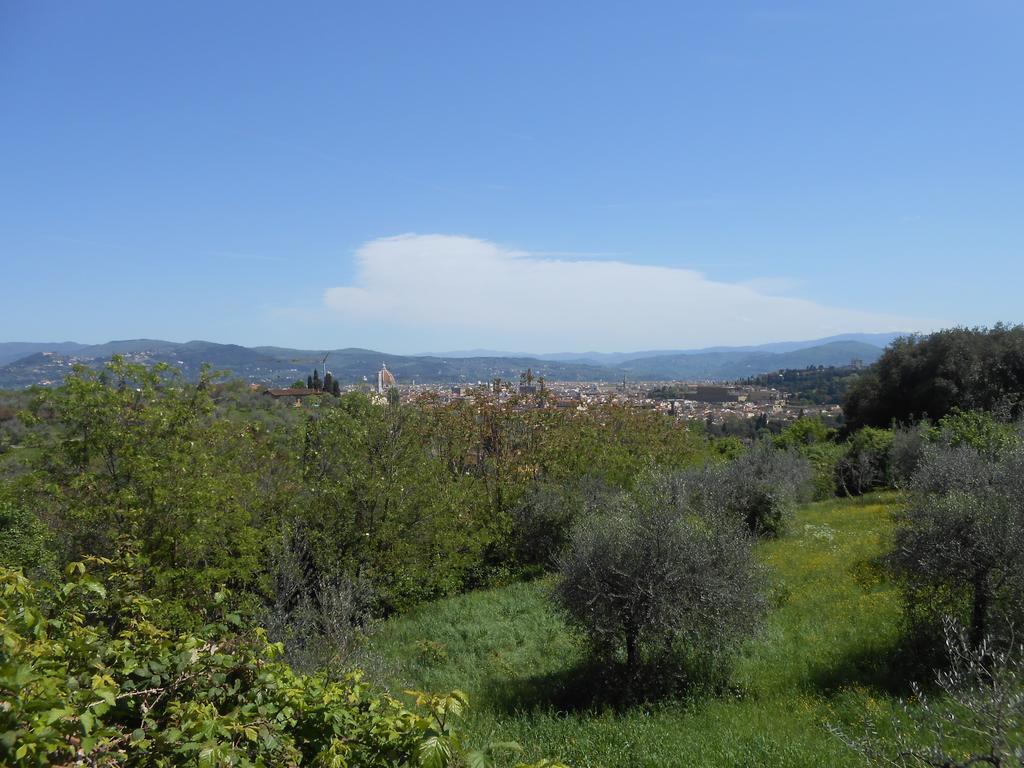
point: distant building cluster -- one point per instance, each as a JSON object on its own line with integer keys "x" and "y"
{"x": 711, "y": 403}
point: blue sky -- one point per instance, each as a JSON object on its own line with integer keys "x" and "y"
{"x": 539, "y": 176}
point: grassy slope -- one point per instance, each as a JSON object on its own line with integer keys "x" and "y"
{"x": 823, "y": 656}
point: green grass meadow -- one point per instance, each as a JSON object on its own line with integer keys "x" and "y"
{"x": 827, "y": 653}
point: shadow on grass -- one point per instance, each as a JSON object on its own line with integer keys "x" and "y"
{"x": 591, "y": 687}
{"x": 889, "y": 670}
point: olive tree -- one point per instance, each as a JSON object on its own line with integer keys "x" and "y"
{"x": 656, "y": 577}
{"x": 763, "y": 485}
{"x": 907, "y": 449}
{"x": 959, "y": 546}
{"x": 544, "y": 517}
{"x": 976, "y": 717}
{"x": 321, "y": 616}
{"x": 758, "y": 490}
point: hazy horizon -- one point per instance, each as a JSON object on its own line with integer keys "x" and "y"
{"x": 871, "y": 338}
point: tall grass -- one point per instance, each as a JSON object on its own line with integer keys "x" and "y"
{"x": 829, "y": 652}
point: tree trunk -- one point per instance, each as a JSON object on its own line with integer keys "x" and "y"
{"x": 632, "y": 655}
{"x": 979, "y": 608}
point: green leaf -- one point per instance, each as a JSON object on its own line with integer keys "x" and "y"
{"x": 107, "y": 695}
{"x": 96, "y": 588}
{"x": 435, "y": 752}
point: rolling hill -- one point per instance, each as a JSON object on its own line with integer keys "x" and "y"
{"x": 49, "y": 363}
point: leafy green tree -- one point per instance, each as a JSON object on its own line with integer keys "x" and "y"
{"x": 136, "y": 461}
{"x": 980, "y": 430}
{"x": 25, "y": 541}
{"x": 929, "y": 376}
{"x": 804, "y": 431}
{"x": 375, "y": 503}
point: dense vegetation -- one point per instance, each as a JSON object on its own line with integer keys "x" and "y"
{"x": 928, "y": 376}
{"x": 815, "y": 385}
{"x": 88, "y": 678}
{"x": 192, "y": 573}
{"x": 217, "y": 485}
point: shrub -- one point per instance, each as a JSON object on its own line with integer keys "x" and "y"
{"x": 87, "y": 679}
{"x": 804, "y": 431}
{"x": 24, "y": 540}
{"x": 541, "y": 522}
{"x": 978, "y": 719}
{"x": 814, "y": 440}
{"x": 823, "y": 458}
{"x": 907, "y": 449}
{"x": 657, "y": 578}
{"x": 320, "y": 618}
{"x": 544, "y": 517}
{"x": 959, "y": 547}
{"x": 978, "y": 429}
{"x": 865, "y": 464}
{"x": 762, "y": 486}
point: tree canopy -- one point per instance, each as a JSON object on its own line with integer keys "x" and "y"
{"x": 929, "y": 376}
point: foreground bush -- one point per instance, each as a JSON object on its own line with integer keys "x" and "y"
{"x": 977, "y": 718}
{"x": 660, "y": 580}
{"x": 87, "y": 679}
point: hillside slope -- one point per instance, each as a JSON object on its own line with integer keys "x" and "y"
{"x": 279, "y": 365}
{"x": 825, "y": 654}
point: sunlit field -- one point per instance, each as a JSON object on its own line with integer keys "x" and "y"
{"x": 827, "y": 653}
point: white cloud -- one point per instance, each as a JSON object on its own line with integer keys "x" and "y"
{"x": 418, "y": 291}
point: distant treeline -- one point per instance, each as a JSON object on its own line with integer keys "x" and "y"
{"x": 814, "y": 385}
{"x": 929, "y": 376}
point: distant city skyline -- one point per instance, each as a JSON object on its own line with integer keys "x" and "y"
{"x": 533, "y": 177}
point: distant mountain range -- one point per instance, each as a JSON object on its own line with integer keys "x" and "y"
{"x": 880, "y": 340}
{"x": 24, "y": 363}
